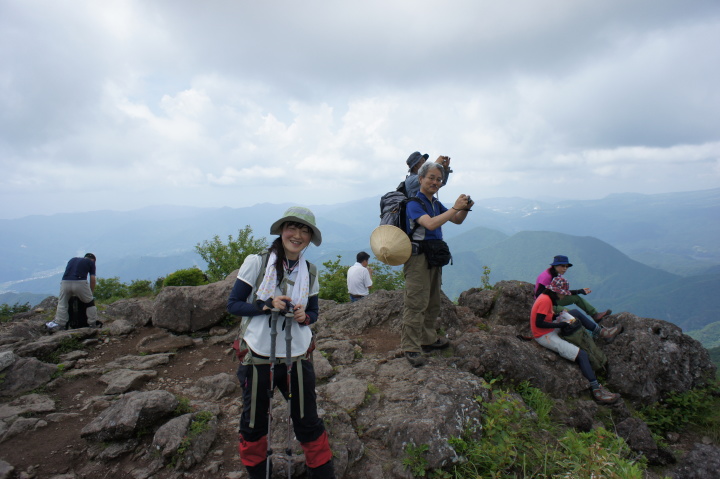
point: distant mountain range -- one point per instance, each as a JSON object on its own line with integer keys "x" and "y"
{"x": 665, "y": 248}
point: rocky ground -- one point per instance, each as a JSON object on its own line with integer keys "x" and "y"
{"x": 124, "y": 404}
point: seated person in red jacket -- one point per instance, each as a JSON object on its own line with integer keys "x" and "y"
{"x": 559, "y": 267}
{"x": 545, "y": 331}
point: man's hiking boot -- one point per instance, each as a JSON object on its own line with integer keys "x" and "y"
{"x": 600, "y": 316}
{"x": 609, "y": 334}
{"x": 604, "y": 396}
{"x": 52, "y": 327}
{"x": 441, "y": 343}
{"x": 415, "y": 359}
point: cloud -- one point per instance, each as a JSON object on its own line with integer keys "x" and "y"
{"x": 131, "y": 103}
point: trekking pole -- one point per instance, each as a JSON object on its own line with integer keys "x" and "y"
{"x": 271, "y": 387}
{"x": 289, "y": 317}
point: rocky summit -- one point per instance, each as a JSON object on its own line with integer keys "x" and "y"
{"x": 152, "y": 393}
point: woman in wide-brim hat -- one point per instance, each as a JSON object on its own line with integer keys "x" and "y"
{"x": 281, "y": 279}
{"x": 559, "y": 267}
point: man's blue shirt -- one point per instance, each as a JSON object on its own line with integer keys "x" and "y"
{"x": 414, "y": 210}
{"x": 77, "y": 269}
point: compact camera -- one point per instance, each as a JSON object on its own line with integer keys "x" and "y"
{"x": 289, "y": 307}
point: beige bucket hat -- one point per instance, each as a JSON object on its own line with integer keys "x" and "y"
{"x": 390, "y": 244}
{"x": 302, "y": 215}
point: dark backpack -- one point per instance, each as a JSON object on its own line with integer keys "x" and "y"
{"x": 392, "y": 209}
{"x": 77, "y": 311}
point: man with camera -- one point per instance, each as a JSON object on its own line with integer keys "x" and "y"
{"x": 423, "y": 271}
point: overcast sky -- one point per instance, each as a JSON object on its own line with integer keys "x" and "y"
{"x": 124, "y": 104}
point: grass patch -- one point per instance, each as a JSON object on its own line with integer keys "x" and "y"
{"x": 697, "y": 409}
{"x": 515, "y": 443}
{"x": 198, "y": 425}
{"x": 67, "y": 344}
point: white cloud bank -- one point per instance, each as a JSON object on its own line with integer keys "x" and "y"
{"x": 123, "y": 104}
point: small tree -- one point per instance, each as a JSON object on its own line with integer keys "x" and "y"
{"x": 384, "y": 277}
{"x": 222, "y": 259}
{"x": 186, "y": 277}
{"x": 140, "y": 287}
{"x": 333, "y": 281}
{"x": 485, "y": 278}
{"x": 108, "y": 288}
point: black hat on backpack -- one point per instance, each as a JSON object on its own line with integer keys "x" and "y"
{"x": 415, "y": 158}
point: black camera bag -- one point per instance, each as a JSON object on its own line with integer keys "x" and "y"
{"x": 436, "y": 252}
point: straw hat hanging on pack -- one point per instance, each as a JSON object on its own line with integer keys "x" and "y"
{"x": 390, "y": 245}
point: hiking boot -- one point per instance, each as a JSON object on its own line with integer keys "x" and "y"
{"x": 604, "y": 396}
{"x": 415, "y": 359}
{"x": 600, "y": 316}
{"x": 608, "y": 334}
{"x": 52, "y": 327}
{"x": 325, "y": 471}
{"x": 441, "y": 343}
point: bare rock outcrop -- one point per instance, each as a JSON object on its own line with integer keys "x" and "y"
{"x": 132, "y": 412}
{"x": 185, "y": 309}
{"x": 500, "y": 348}
{"x": 141, "y": 398}
{"x": 136, "y": 311}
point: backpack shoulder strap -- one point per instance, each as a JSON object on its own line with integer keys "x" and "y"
{"x": 312, "y": 270}
{"x": 261, "y": 274}
{"x": 417, "y": 225}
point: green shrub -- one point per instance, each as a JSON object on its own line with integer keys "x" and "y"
{"x": 186, "y": 277}
{"x": 384, "y": 277}
{"x": 333, "y": 281}
{"x": 7, "y": 311}
{"x": 415, "y": 459}
{"x": 140, "y": 287}
{"x": 698, "y": 407}
{"x": 223, "y": 258}
{"x": 108, "y": 288}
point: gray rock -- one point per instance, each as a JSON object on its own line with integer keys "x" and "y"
{"x": 381, "y": 309}
{"x": 73, "y": 356}
{"x": 28, "y": 404}
{"x": 702, "y": 462}
{"x": 682, "y": 363}
{"x": 639, "y": 437}
{"x": 215, "y": 387}
{"x": 389, "y": 412}
{"x": 24, "y": 375}
{"x": 123, "y": 380}
{"x": 341, "y": 351}
{"x": 22, "y": 425}
{"x": 183, "y": 309}
{"x": 6, "y": 470}
{"x": 136, "y": 311}
{"x": 133, "y": 412}
{"x": 183, "y": 445}
{"x": 47, "y": 344}
{"x": 6, "y": 359}
{"x": 163, "y": 343}
{"x": 348, "y": 393}
{"x": 119, "y": 327}
{"x": 685, "y": 364}
{"x": 139, "y": 362}
{"x": 580, "y": 416}
{"x": 112, "y": 450}
{"x": 323, "y": 368}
